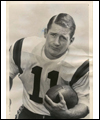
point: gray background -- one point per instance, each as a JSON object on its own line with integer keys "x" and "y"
{"x": 31, "y": 19}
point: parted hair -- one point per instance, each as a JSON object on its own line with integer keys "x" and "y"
{"x": 64, "y": 20}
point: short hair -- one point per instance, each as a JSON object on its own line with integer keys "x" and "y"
{"x": 64, "y": 20}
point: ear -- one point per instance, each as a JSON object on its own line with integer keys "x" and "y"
{"x": 72, "y": 39}
{"x": 45, "y": 32}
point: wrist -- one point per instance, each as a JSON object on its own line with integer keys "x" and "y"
{"x": 68, "y": 114}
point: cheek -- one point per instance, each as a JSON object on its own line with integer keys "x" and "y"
{"x": 48, "y": 43}
{"x": 49, "y": 40}
{"x": 64, "y": 46}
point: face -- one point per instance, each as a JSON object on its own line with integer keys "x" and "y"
{"x": 57, "y": 41}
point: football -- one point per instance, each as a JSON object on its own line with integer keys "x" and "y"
{"x": 69, "y": 94}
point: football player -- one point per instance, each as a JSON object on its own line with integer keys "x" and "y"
{"x": 41, "y": 63}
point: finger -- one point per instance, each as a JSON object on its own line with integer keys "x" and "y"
{"x": 62, "y": 100}
{"x": 61, "y": 96}
{"x": 47, "y": 105}
{"x": 50, "y": 102}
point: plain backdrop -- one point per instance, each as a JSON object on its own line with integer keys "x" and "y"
{"x": 95, "y": 59}
{"x": 31, "y": 19}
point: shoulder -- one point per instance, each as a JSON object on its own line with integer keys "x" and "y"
{"x": 75, "y": 57}
{"x": 21, "y": 49}
{"x": 30, "y": 43}
{"x": 75, "y": 61}
{"x": 25, "y": 45}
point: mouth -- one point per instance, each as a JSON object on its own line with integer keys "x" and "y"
{"x": 54, "y": 48}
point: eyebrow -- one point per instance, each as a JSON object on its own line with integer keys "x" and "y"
{"x": 52, "y": 33}
{"x": 64, "y": 37}
{"x": 61, "y": 35}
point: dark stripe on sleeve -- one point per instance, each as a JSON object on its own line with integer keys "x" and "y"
{"x": 17, "y": 54}
{"x": 10, "y": 83}
{"x": 81, "y": 71}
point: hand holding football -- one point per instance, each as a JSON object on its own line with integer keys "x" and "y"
{"x": 69, "y": 94}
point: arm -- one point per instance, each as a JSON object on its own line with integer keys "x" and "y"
{"x": 80, "y": 110}
{"x": 10, "y": 86}
{"x": 61, "y": 111}
{"x": 14, "y": 60}
{"x": 10, "y": 83}
{"x": 13, "y": 70}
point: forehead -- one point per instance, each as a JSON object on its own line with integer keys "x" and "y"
{"x": 55, "y": 28}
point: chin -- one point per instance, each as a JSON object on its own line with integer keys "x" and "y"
{"x": 55, "y": 54}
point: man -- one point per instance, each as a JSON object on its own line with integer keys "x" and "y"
{"x": 41, "y": 64}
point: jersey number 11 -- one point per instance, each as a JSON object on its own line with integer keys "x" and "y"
{"x": 53, "y": 75}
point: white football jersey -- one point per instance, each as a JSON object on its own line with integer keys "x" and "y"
{"x": 38, "y": 73}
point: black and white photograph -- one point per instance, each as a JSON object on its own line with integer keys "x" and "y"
{"x": 49, "y": 53}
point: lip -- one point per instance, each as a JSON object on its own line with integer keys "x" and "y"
{"x": 54, "y": 48}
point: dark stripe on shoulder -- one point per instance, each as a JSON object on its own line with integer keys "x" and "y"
{"x": 81, "y": 71}
{"x": 82, "y": 83}
{"x": 17, "y": 53}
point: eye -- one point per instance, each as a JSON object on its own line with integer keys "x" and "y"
{"x": 53, "y": 34}
{"x": 63, "y": 38}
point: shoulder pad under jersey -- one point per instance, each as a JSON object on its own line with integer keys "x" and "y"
{"x": 75, "y": 63}
{"x": 30, "y": 43}
{"x": 75, "y": 57}
{"x": 23, "y": 47}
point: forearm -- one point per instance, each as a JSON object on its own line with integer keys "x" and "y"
{"x": 79, "y": 111}
{"x": 10, "y": 86}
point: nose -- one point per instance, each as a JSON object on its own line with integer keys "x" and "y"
{"x": 56, "y": 42}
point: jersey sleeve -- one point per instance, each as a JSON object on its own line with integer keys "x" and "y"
{"x": 76, "y": 74}
{"x": 13, "y": 69}
{"x": 15, "y": 58}
{"x": 19, "y": 54}
{"x": 82, "y": 89}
